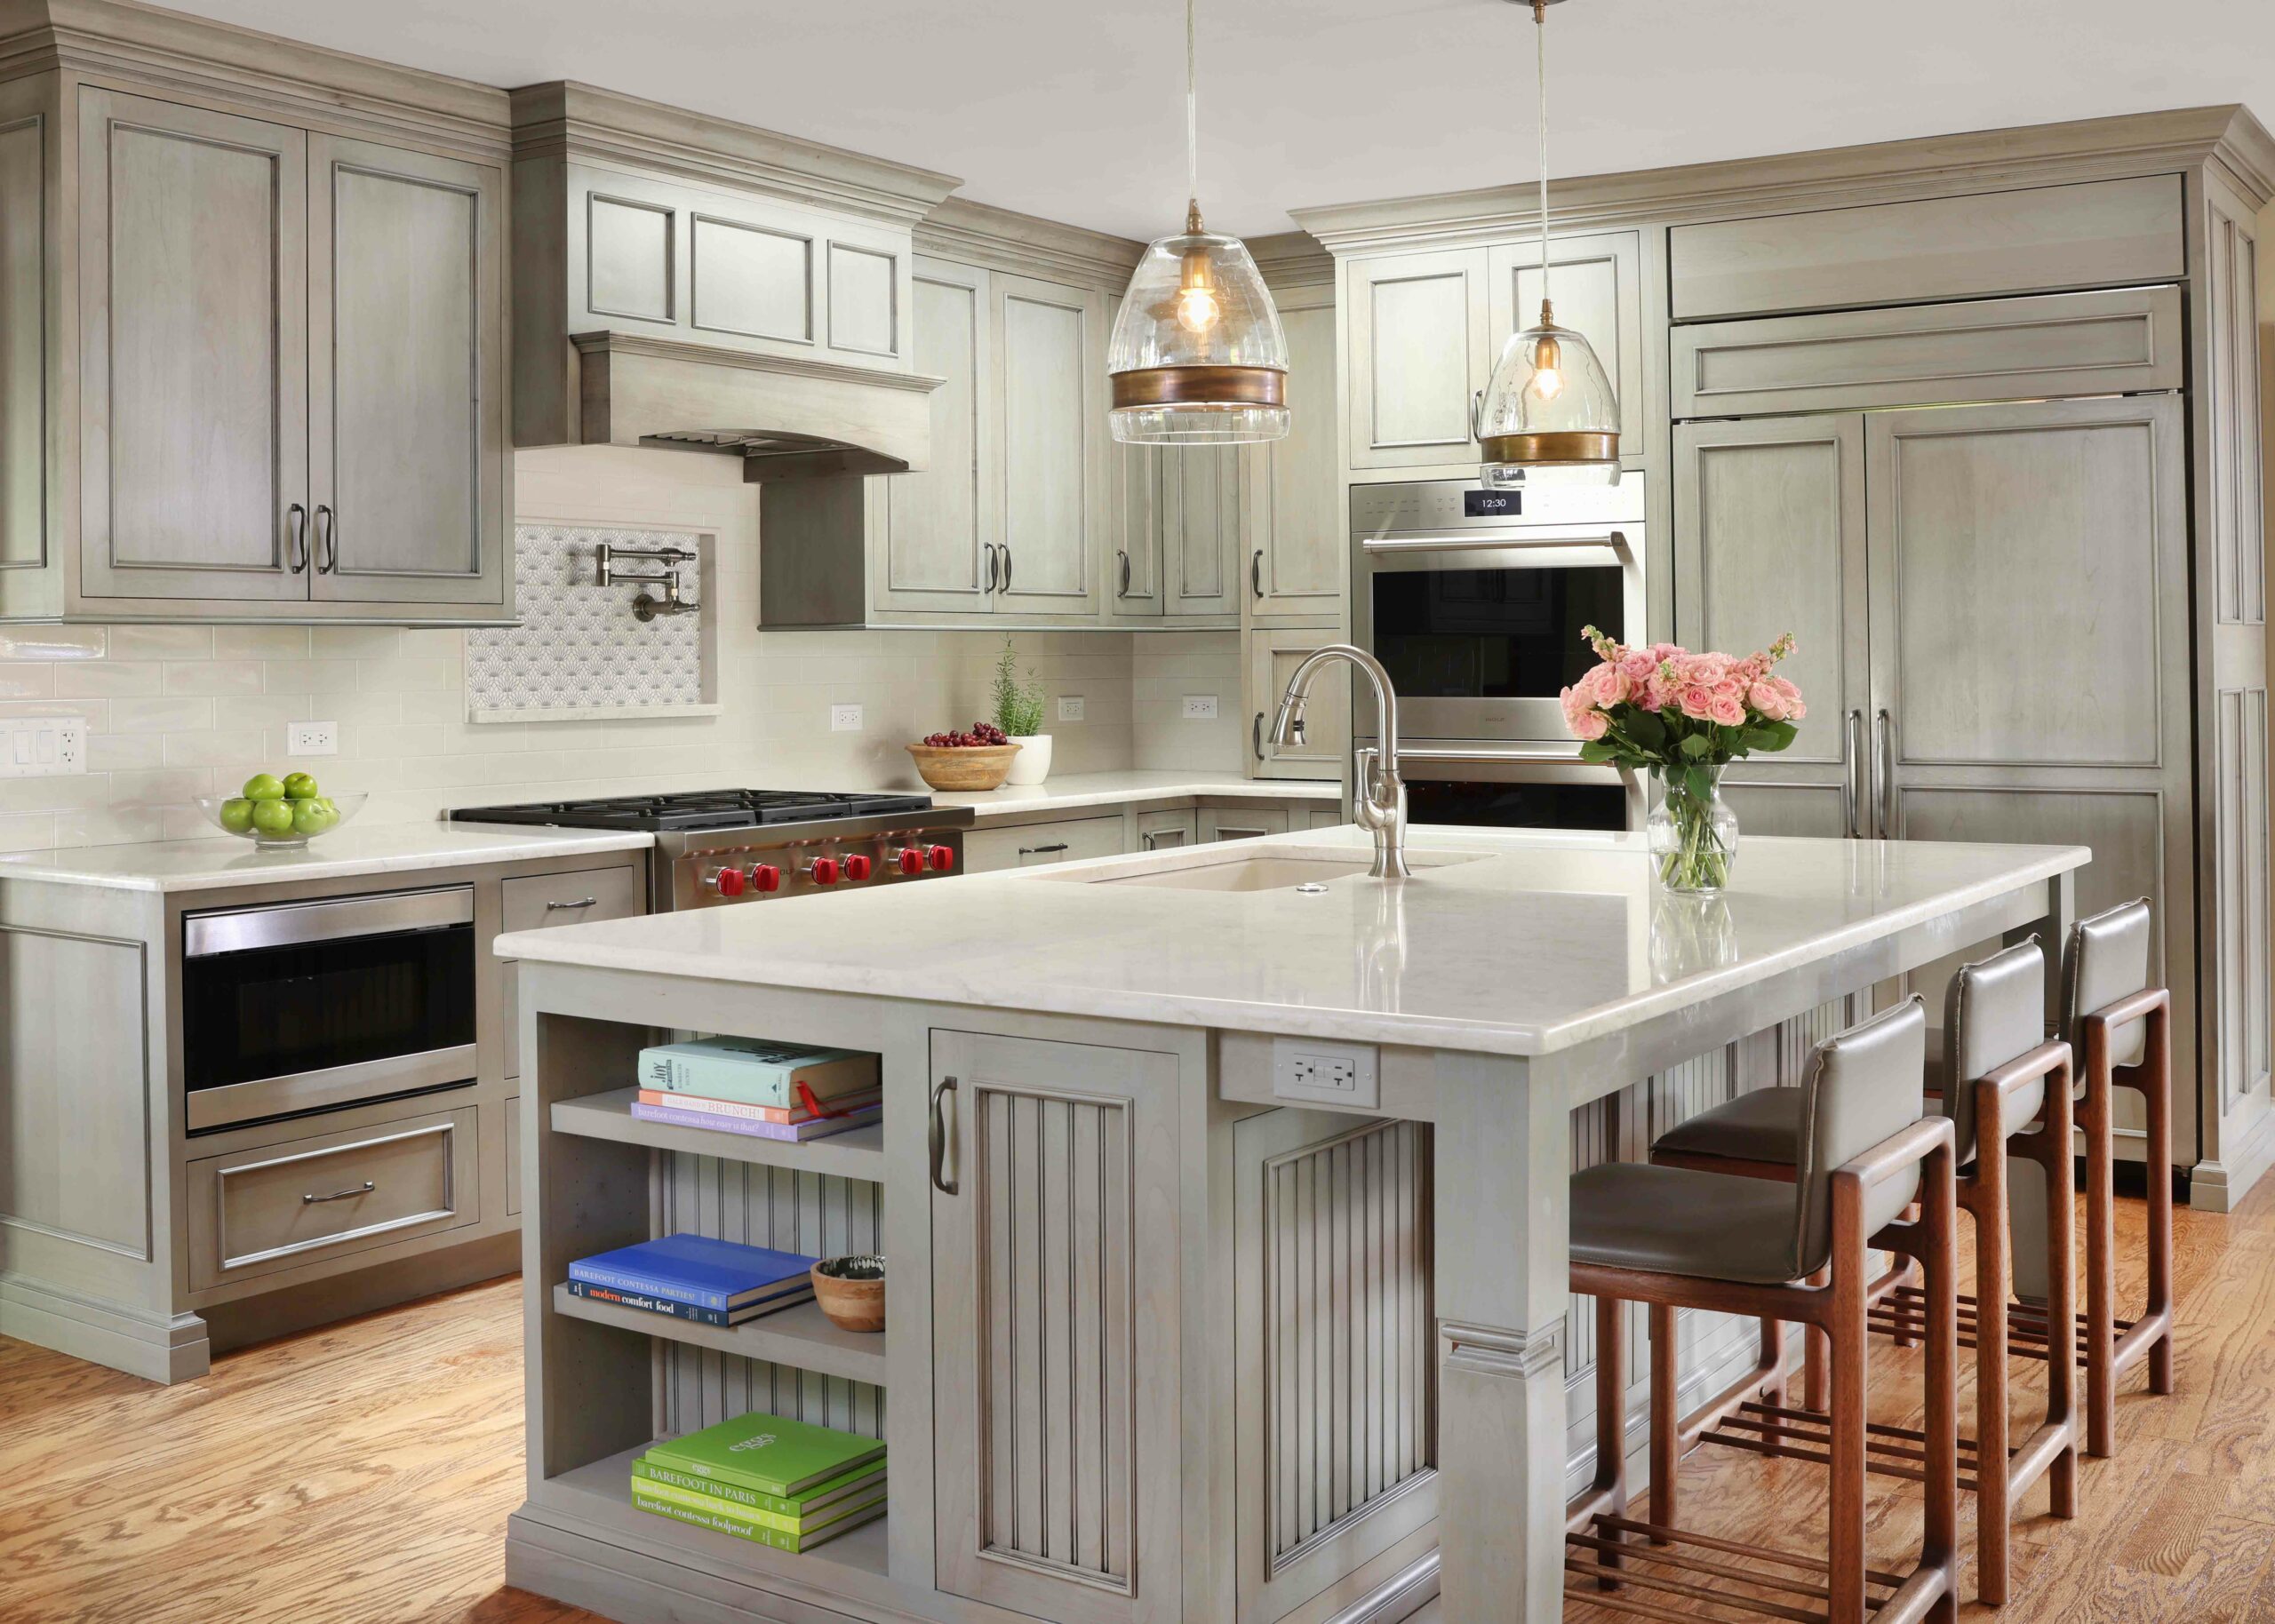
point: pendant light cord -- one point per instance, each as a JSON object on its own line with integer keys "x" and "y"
{"x": 1540, "y": 53}
{"x": 1192, "y": 130}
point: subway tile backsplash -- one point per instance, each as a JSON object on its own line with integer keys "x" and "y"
{"x": 174, "y": 712}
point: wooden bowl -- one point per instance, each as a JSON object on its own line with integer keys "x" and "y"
{"x": 851, "y": 1291}
{"x": 979, "y": 767}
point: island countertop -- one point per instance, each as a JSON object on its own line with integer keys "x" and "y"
{"x": 1509, "y": 942}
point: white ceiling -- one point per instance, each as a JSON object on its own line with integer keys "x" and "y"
{"x": 1073, "y": 109}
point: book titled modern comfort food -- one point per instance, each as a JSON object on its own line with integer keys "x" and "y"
{"x": 695, "y": 1277}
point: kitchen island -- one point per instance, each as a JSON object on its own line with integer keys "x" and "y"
{"x": 1225, "y": 1196}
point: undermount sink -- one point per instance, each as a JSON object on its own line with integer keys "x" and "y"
{"x": 1248, "y": 874}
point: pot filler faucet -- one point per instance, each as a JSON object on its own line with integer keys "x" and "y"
{"x": 1377, "y": 794}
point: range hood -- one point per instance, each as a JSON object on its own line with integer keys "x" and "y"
{"x": 786, "y": 418}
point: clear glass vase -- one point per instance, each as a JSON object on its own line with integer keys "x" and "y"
{"x": 1693, "y": 838}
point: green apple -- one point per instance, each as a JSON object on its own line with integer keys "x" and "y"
{"x": 264, "y": 786}
{"x": 236, "y": 814}
{"x": 272, "y": 816}
{"x": 312, "y": 817}
{"x": 299, "y": 786}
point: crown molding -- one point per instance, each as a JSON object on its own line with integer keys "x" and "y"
{"x": 563, "y": 118}
{"x": 1987, "y": 160}
{"x": 1004, "y": 239}
{"x": 1292, "y": 259}
{"x": 160, "y": 51}
{"x": 607, "y": 342}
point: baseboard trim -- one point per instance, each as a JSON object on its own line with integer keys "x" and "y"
{"x": 2219, "y": 1186}
{"x": 162, "y": 1347}
{"x": 247, "y": 1320}
{"x": 1402, "y": 1594}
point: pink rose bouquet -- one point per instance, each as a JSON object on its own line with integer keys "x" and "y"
{"x": 1683, "y": 717}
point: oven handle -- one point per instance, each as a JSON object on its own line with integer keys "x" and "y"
{"x": 1487, "y": 753}
{"x": 1502, "y": 541}
{"x": 239, "y": 930}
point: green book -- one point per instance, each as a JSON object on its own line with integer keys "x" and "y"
{"x": 819, "y": 1498}
{"x": 722, "y": 1521}
{"x": 703, "y": 1500}
{"x": 771, "y": 1454}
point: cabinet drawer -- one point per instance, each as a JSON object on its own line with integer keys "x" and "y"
{"x": 1031, "y": 845}
{"x": 1242, "y": 823}
{"x": 1165, "y": 830}
{"x": 537, "y": 902}
{"x": 282, "y": 1206}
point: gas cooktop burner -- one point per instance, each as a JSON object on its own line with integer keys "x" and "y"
{"x": 697, "y": 809}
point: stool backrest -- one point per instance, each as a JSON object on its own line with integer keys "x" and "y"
{"x": 2108, "y": 959}
{"x": 1994, "y": 1012}
{"x": 1865, "y": 1085}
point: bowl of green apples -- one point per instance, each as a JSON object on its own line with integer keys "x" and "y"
{"x": 280, "y": 814}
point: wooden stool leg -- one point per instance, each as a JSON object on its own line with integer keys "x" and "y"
{"x": 2094, "y": 1116}
{"x": 1987, "y": 1199}
{"x": 1665, "y": 1420}
{"x": 1816, "y": 1356}
{"x": 1845, "y": 1506}
{"x": 2157, "y": 1084}
{"x": 1611, "y": 1420}
{"x": 1940, "y": 1530}
{"x": 2052, "y": 1148}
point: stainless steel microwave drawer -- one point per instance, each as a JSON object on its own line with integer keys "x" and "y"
{"x": 282, "y": 1206}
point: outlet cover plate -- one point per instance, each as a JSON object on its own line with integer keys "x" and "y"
{"x": 1309, "y": 1071}
{"x": 42, "y": 747}
{"x": 312, "y": 738}
{"x": 845, "y": 718}
{"x": 1201, "y": 707}
{"x": 1070, "y": 707}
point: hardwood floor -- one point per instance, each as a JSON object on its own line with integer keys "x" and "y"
{"x": 362, "y": 1474}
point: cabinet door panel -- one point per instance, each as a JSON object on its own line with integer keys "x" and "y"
{"x": 1055, "y": 1330}
{"x": 1418, "y": 333}
{"x": 1049, "y": 357}
{"x": 1199, "y": 505}
{"x": 23, "y": 342}
{"x": 1299, "y": 561}
{"x": 1272, "y": 656}
{"x": 1597, "y": 285}
{"x": 407, "y": 458}
{"x": 194, "y": 351}
{"x": 937, "y": 521}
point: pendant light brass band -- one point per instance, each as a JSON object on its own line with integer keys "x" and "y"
{"x": 1560, "y": 448}
{"x": 1201, "y": 387}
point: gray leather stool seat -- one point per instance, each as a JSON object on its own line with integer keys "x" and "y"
{"x": 1671, "y": 1221}
{"x": 1764, "y": 1125}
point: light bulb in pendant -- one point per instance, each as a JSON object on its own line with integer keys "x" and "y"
{"x": 1196, "y": 309}
{"x": 1548, "y": 365}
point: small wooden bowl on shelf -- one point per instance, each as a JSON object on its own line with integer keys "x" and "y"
{"x": 851, "y": 1291}
{"x": 974, "y": 766}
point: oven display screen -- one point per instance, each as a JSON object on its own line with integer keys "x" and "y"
{"x": 1492, "y": 504}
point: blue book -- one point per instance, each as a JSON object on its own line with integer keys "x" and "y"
{"x": 720, "y": 1275}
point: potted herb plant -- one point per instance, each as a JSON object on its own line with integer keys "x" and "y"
{"x": 1018, "y": 712}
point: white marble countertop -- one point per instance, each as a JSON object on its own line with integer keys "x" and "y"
{"x": 1540, "y": 941}
{"x": 1074, "y": 791}
{"x": 224, "y": 861}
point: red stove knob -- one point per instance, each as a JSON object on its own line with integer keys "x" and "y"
{"x": 727, "y": 882}
{"x": 912, "y": 860}
{"x": 857, "y": 867}
{"x": 823, "y": 870}
{"x": 766, "y": 876}
{"x": 941, "y": 858}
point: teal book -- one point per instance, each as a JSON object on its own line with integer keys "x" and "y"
{"x": 819, "y": 1498}
{"x": 752, "y": 1072}
{"x": 771, "y": 1454}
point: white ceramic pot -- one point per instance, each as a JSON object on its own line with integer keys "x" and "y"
{"x": 1032, "y": 765}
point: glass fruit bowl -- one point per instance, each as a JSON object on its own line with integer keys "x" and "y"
{"x": 302, "y": 821}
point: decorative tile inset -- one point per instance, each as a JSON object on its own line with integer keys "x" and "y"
{"x": 578, "y": 652}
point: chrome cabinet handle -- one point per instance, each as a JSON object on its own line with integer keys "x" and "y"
{"x": 296, "y": 522}
{"x": 1040, "y": 851}
{"x": 1852, "y": 761}
{"x": 1885, "y": 725}
{"x": 940, "y": 1139}
{"x": 1124, "y": 591}
{"x": 582, "y": 902}
{"x": 991, "y": 566}
{"x": 327, "y": 539}
{"x": 1255, "y": 736}
{"x": 1006, "y": 566}
{"x": 1256, "y": 573}
{"x": 364, "y": 1189}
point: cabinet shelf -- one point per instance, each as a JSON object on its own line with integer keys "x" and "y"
{"x": 801, "y": 1336}
{"x": 857, "y": 1153}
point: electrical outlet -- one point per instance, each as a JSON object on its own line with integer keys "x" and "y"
{"x": 42, "y": 747}
{"x": 1201, "y": 707}
{"x": 312, "y": 738}
{"x": 1070, "y": 707}
{"x": 1316, "y": 1073}
{"x": 845, "y": 718}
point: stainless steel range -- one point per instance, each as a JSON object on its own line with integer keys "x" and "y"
{"x": 745, "y": 846}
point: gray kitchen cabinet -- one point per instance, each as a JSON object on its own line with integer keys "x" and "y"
{"x": 193, "y": 354}
{"x": 1297, "y": 537}
{"x": 1239, "y": 822}
{"x": 1055, "y": 1325}
{"x": 1418, "y": 335}
{"x": 1065, "y": 839}
{"x": 407, "y": 372}
{"x": 1050, "y": 437}
{"x": 1167, "y": 830}
{"x": 931, "y": 551}
{"x": 1597, "y": 286}
{"x": 1272, "y": 656}
{"x": 25, "y": 131}
{"x": 541, "y": 902}
{"x": 1201, "y": 490}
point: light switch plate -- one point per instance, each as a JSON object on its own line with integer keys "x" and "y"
{"x": 1070, "y": 707}
{"x": 1309, "y": 1071}
{"x": 311, "y": 738}
{"x": 1201, "y": 707}
{"x": 845, "y": 718}
{"x": 42, "y": 747}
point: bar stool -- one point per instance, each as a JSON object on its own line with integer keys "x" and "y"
{"x": 2121, "y": 1028}
{"x": 1674, "y": 1238}
{"x": 1999, "y": 1075}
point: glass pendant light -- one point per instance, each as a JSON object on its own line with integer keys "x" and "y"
{"x": 1197, "y": 356}
{"x": 1549, "y": 416}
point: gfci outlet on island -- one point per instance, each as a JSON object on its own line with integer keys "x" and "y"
{"x": 1320, "y": 1074}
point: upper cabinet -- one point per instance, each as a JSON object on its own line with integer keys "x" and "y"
{"x": 1049, "y": 410}
{"x": 1296, "y": 535}
{"x": 254, "y": 366}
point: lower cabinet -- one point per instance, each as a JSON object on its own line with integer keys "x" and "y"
{"x": 535, "y": 902}
{"x": 1167, "y": 830}
{"x": 1055, "y": 1327}
{"x": 1242, "y": 823}
{"x": 1031, "y": 845}
{"x": 1272, "y": 656}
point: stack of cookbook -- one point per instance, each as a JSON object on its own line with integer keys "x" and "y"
{"x": 695, "y": 1278}
{"x": 765, "y": 1090}
{"x": 766, "y": 1478}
